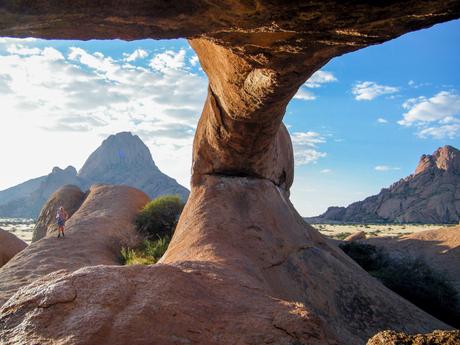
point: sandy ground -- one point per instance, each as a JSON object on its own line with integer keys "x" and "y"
{"x": 22, "y": 228}
{"x": 340, "y": 231}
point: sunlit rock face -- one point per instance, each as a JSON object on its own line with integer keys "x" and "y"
{"x": 242, "y": 267}
{"x": 430, "y": 195}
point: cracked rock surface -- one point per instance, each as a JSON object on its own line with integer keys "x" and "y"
{"x": 242, "y": 267}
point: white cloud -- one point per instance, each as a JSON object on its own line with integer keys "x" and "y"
{"x": 304, "y": 95}
{"x": 320, "y": 77}
{"x": 382, "y": 120}
{"x": 135, "y": 55}
{"x": 325, "y": 171}
{"x": 315, "y": 81}
{"x": 385, "y": 168}
{"x": 437, "y": 117}
{"x": 305, "y": 147}
{"x": 194, "y": 60}
{"x": 169, "y": 60}
{"x": 368, "y": 90}
{"x": 51, "y": 96}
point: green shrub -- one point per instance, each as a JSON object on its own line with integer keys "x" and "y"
{"x": 159, "y": 217}
{"x": 410, "y": 278}
{"x": 147, "y": 254}
{"x": 367, "y": 256}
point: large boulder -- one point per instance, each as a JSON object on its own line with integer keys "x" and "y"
{"x": 10, "y": 245}
{"x": 255, "y": 274}
{"x": 440, "y": 249}
{"x": 94, "y": 236}
{"x": 70, "y": 197}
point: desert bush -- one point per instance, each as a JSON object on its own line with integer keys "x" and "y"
{"x": 411, "y": 278}
{"x": 159, "y": 217}
{"x": 366, "y": 255}
{"x": 147, "y": 254}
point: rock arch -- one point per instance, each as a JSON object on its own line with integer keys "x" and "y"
{"x": 242, "y": 267}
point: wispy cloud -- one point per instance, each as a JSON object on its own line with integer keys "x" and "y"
{"x": 325, "y": 171}
{"x": 369, "y": 90}
{"x": 382, "y": 120}
{"x": 318, "y": 79}
{"x": 305, "y": 147}
{"x": 385, "y": 168}
{"x": 437, "y": 117}
{"x": 136, "y": 55}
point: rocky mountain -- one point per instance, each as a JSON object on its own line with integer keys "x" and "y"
{"x": 122, "y": 159}
{"x": 430, "y": 195}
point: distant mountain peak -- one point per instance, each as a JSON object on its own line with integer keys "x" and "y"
{"x": 444, "y": 158}
{"x": 430, "y": 195}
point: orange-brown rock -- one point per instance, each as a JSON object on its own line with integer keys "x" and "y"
{"x": 242, "y": 268}
{"x": 439, "y": 248}
{"x": 435, "y": 338}
{"x": 70, "y": 197}
{"x": 255, "y": 274}
{"x": 94, "y": 235}
{"x": 10, "y": 245}
{"x": 359, "y": 235}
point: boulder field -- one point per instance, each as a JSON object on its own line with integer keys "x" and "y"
{"x": 242, "y": 267}
{"x": 94, "y": 235}
{"x": 10, "y": 245}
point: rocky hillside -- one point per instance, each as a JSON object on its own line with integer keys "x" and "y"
{"x": 122, "y": 159}
{"x": 430, "y": 195}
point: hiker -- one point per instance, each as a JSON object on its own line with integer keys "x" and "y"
{"x": 61, "y": 217}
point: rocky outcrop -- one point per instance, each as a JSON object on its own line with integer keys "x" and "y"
{"x": 122, "y": 159}
{"x": 10, "y": 245}
{"x": 430, "y": 195}
{"x": 94, "y": 236}
{"x": 435, "y": 338}
{"x": 439, "y": 248}
{"x": 357, "y": 236}
{"x": 242, "y": 266}
{"x": 257, "y": 273}
{"x": 70, "y": 197}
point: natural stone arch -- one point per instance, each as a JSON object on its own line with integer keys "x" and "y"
{"x": 248, "y": 267}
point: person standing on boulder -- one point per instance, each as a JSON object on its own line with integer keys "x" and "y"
{"x": 61, "y": 218}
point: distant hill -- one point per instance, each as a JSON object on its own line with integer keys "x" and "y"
{"x": 122, "y": 159}
{"x": 430, "y": 195}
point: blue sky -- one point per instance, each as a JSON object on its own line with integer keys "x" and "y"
{"x": 358, "y": 125}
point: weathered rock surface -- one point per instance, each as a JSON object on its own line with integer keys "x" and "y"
{"x": 359, "y": 235}
{"x": 435, "y": 338}
{"x": 10, "y": 245}
{"x": 242, "y": 267}
{"x": 70, "y": 197}
{"x": 430, "y": 195}
{"x": 122, "y": 159}
{"x": 255, "y": 274}
{"x": 439, "y": 248}
{"x": 94, "y": 235}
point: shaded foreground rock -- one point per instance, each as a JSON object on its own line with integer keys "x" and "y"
{"x": 435, "y": 338}
{"x": 10, "y": 245}
{"x": 439, "y": 248}
{"x": 255, "y": 274}
{"x": 70, "y": 197}
{"x": 94, "y": 235}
